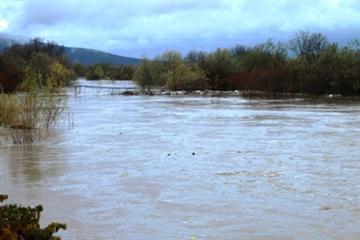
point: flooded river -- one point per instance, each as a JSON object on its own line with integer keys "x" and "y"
{"x": 182, "y": 167}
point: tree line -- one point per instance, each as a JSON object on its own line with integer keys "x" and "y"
{"x": 104, "y": 71}
{"x": 34, "y": 65}
{"x": 38, "y": 64}
{"x": 308, "y": 63}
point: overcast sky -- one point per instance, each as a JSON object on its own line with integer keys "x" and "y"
{"x": 147, "y": 27}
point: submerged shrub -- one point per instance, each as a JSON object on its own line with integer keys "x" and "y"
{"x": 38, "y": 107}
{"x": 18, "y": 223}
{"x": 33, "y": 110}
{"x": 25, "y": 113}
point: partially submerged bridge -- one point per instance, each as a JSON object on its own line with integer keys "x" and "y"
{"x": 79, "y": 88}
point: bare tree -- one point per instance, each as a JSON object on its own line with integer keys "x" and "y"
{"x": 308, "y": 45}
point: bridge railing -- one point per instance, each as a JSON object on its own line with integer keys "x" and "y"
{"x": 114, "y": 89}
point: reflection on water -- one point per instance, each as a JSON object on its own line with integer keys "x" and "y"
{"x": 214, "y": 168}
{"x": 28, "y": 168}
{"x": 30, "y": 164}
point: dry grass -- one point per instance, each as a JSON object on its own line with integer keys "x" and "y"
{"x": 23, "y": 114}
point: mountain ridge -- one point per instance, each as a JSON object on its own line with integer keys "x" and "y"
{"x": 84, "y": 56}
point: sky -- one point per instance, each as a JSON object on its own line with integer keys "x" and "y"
{"x": 140, "y": 28}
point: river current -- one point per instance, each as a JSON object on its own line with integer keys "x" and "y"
{"x": 185, "y": 167}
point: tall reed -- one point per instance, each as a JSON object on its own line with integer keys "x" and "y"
{"x": 27, "y": 113}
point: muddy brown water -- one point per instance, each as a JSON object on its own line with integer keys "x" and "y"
{"x": 150, "y": 167}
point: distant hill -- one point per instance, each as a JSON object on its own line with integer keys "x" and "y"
{"x": 90, "y": 57}
{"x": 6, "y": 42}
{"x": 81, "y": 55}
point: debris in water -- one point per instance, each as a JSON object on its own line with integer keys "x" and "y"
{"x": 325, "y": 208}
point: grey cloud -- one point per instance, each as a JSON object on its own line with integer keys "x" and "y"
{"x": 141, "y": 27}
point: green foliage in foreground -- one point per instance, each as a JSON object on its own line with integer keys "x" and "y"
{"x": 18, "y": 223}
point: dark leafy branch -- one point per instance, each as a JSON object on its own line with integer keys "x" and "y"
{"x": 17, "y": 223}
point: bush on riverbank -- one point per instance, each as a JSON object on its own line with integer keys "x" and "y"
{"x": 169, "y": 70}
{"x": 19, "y": 223}
{"x": 183, "y": 77}
{"x": 146, "y": 74}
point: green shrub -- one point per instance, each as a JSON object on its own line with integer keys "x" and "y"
{"x": 18, "y": 223}
{"x": 146, "y": 75}
{"x": 183, "y": 77}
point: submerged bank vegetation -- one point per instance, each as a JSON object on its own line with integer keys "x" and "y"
{"x": 32, "y": 77}
{"x": 308, "y": 63}
{"x": 28, "y": 115}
